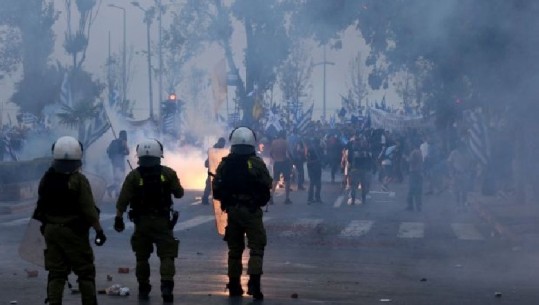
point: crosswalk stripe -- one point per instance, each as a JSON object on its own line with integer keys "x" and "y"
{"x": 302, "y": 227}
{"x": 193, "y": 222}
{"x": 466, "y": 231}
{"x": 411, "y": 230}
{"x": 16, "y": 222}
{"x": 357, "y": 228}
{"x": 338, "y": 201}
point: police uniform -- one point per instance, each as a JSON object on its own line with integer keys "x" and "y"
{"x": 147, "y": 190}
{"x": 67, "y": 210}
{"x": 361, "y": 166}
{"x": 242, "y": 183}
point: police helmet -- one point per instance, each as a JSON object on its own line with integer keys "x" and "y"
{"x": 67, "y": 148}
{"x": 150, "y": 148}
{"x": 242, "y": 136}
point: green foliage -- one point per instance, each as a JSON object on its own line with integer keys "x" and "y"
{"x": 75, "y": 43}
{"x": 35, "y": 91}
{"x": 28, "y": 28}
{"x": 10, "y": 56}
{"x": 75, "y": 116}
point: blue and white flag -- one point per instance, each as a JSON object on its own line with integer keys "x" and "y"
{"x": 97, "y": 127}
{"x": 273, "y": 123}
{"x": 302, "y": 121}
{"x": 478, "y": 137}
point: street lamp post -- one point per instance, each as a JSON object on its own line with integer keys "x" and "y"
{"x": 324, "y": 63}
{"x": 160, "y": 50}
{"x": 148, "y": 16}
{"x": 124, "y": 60}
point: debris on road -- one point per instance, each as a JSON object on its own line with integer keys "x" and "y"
{"x": 423, "y": 280}
{"x": 31, "y": 273}
{"x": 498, "y": 294}
{"x": 13, "y": 302}
{"x": 109, "y": 277}
{"x": 117, "y": 289}
{"x": 123, "y": 270}
{"x": 294, "y": 295}
{"x": 385, "y": 300}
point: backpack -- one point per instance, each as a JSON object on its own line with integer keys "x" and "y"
{"x": 153, "y": 192}
{"x": 115, "y": 148}
{"x": 235, "y": 177}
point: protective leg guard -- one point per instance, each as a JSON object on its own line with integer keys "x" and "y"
{"x": 166, "y": 291}
{"x": 234, "y": 287}
{"x": 254, "y": 287}
{"x": 144, "y": 291}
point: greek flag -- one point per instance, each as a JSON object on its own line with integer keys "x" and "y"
{"x": 97, "y": 127}
{"x": 273, "y": 123}
{"x": 302, "y": 120}
{"x": 478, "y": 138}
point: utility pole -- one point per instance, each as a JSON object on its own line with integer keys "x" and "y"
{"x": 160, "y": 50}
{"x": 148, "y": 16}
{"x": 324, "y": 63}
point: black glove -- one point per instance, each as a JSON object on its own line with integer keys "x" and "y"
{"x": 119, "y": 224}
{"x": 100, "y": 238}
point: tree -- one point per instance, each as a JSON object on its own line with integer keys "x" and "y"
{"x": 29, "y": 25}
{"x": 412, "y": 86}
{"x": 357, "y": 87}
{"x": 10, "y": 44}
{"x": 76, "y": 41}
{"x": 85, "y": 105}
{"x": 294, "y": 75}
{"x": 267, "y": 43}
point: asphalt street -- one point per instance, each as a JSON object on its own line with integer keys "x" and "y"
{"x": 323, "y": 253}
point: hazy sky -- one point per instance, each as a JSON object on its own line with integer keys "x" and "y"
{"x": 109, "y": 20}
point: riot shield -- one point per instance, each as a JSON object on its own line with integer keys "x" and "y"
{"x": 215, "y": 155}
{"x": 33, "y": 244}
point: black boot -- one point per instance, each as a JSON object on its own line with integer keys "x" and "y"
{"x": 166, "y": 291}
{"x": 234, "y": 287}
{"x": 144, "y": 291}
{"x": 254, "y": 287}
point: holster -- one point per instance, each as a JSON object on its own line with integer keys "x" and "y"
{"x": 174, "y": 216}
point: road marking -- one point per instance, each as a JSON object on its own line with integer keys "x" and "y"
{"x": 466, "y": 231}
{"x": 106, "y": 216}
{"x": 16, "y": 222}
{"x": 302, "y": 227}
{"x": 357, "y": 228}
{"x": 198, "y": 220}
{"x": 411, "y": 230}
{"x": 338, "y": 201}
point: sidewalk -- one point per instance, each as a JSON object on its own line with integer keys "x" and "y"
{"x": 518, "y": 223}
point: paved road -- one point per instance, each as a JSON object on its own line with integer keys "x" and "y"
{"x": 328, "y": 253}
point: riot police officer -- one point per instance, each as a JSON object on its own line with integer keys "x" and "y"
{"x": 67, "y": 210}
{"x": 242, "y": 183}
{"x": 361, "y": 165}
{"x": 147, "y": 190}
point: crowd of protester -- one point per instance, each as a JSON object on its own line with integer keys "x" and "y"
{"x": 447, "y": 163}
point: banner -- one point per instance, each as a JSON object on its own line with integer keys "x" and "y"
{"x": 393, "y": 121}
